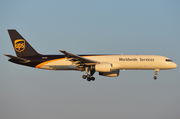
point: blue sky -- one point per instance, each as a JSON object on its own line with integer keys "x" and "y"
{"x": 90, "y": 27}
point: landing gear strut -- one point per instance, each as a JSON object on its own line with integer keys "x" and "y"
{"x": 89, "y": 77}
{"x": 156, "y": 70}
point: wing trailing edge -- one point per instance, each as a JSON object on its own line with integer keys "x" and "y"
{"x": 76, "y": 59}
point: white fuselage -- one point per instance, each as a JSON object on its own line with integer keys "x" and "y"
{"x": 118, "y": 62}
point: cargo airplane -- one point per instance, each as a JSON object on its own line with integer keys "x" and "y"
{"x": 106, "y": 65}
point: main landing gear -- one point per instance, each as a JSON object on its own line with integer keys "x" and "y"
{"x": 87, "y": 76}
{"x": 155, "y": 76}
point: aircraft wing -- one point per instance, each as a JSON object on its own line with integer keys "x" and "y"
{"x": 78, "y": 60}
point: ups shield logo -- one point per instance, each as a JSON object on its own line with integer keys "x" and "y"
{"x": 19, "y": 45}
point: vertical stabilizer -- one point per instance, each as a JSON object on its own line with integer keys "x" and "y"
{"x": 21, "y": 46}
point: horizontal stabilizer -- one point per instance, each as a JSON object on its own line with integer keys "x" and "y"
{"x": 22, "y": 60}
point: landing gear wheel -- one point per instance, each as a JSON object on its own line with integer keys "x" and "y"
{"x": 155, "y": 77}
{"x": 88, "y": 79}
{"x": 92, "y": 78}
{"x": 84, "y": 76}
{"x": 88, "y": 76}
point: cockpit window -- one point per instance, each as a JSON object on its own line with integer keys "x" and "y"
{"x": 169, "y": 60}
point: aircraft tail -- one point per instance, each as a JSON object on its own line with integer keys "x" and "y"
{"x": 21, "y": 46}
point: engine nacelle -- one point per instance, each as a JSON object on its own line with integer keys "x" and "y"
{"x": 110, "y": 74}
{"x": 104, "y": 67}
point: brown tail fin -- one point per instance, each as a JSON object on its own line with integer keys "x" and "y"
{"x": 21, "y": 46}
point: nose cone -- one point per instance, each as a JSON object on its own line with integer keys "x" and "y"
{"x": 174, "y": 65}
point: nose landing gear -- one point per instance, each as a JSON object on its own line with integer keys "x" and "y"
{"x": 156, "y": 70}
{"x": 155, "y": 77}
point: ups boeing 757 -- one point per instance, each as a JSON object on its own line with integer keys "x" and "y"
{"x": 106, "y": 65}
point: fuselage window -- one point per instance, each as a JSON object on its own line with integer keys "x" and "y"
{"x": 169, "y": 60}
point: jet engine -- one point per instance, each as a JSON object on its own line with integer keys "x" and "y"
{"x": 110, "y": 74}
{"x": 104, "y": 67}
